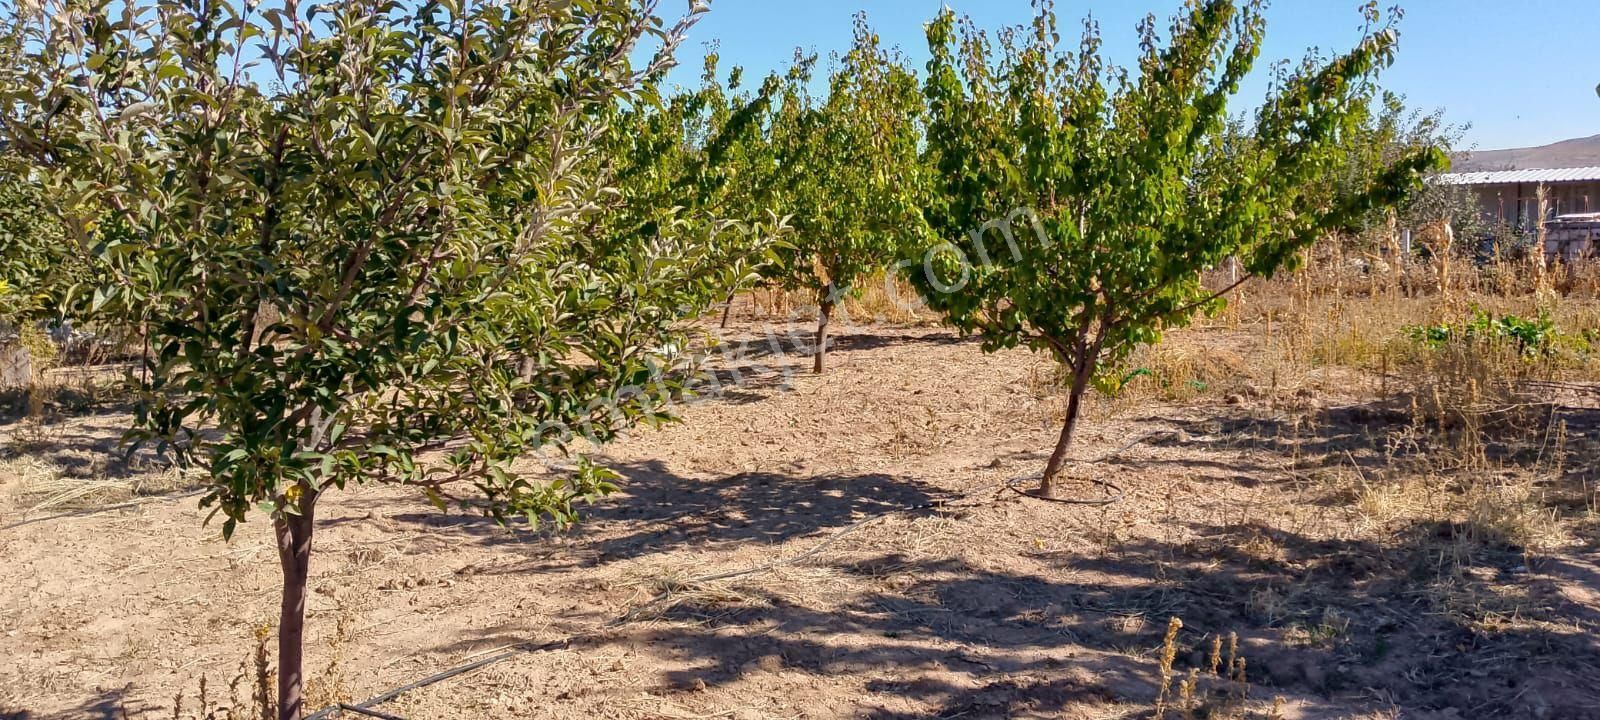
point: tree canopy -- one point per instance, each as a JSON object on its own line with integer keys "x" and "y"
{"x": 368, "y": 240}
{"x": 701, "y": 159}
{"x": 1078, "y": 204}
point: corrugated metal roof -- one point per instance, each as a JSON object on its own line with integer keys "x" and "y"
{"x": 1500, "y": 177}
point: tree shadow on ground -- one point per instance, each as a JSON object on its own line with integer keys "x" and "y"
{"x": 664, "y": 511}
{"x": 1437, "y": 616}
{"x": 1371, "y": 438}
{"x": 105, "y": 705}
{"x": 1332, "y": 436}
{"x": 90, "y": 448}
{"x": 747, "y": 370}
{"x": 740, "y": 384}
{"x": 798, "y": 344}
{"x": 862, "y": 342}
{"x": 1335, "y": 618}
{"x": 963, "y": 638}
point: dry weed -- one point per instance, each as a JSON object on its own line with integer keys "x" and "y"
{"x": 1512, "y": 513}
{"x": 250, "y": 691}
{"x": 41, "y": 486}
{"x": 1181, "y": 369}
{"x": 883, "y": 298}
{"x": 1221, "y": 691}
{"x": 332, "y": 686}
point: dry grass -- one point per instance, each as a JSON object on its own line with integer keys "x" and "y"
{"x": 35, "y": 485}
{"x": 887, "y": 299}
{"x": 1482, "y": 467}
{"x": 1513, "y": 512}
{"x": 1182, "y": 371}
{"x": 881, "y": 299}
{"x": 1218, "y": 689}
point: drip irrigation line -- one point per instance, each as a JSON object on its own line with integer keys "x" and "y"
{"x": 1116, "y": 493}
{"x": 1108, "y": 457}
{"x": 365, "y": 707}
{"x": 357, "y": 709}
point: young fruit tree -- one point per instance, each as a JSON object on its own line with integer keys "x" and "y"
{"x": 1389, "y": 131}
{"x": 848, "y": 173}
{"x": 31, "y": 265}
{"x": 366, "y": 240}
{"x": 701, "y": 157}
{"x": 34, "y": 262}
{"x": 1078, "y": 206}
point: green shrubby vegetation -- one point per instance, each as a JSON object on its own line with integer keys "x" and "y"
{"x": 35, "y": 261}
{"x": 1533, "y": 338}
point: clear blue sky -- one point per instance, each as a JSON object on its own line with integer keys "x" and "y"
{"x": 1520, "y": 73}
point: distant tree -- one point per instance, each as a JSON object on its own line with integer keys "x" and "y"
{"x": 36, "y": 265}
{"x": 34, "y": 260}
{"x": 38, "y": 272}
{"x": 358, "y": 233}
{"x": 1129, "y": 185}
{"x": 701, "y": 158}
{"x": 848, "y": 173}
{"x": 1388, "y": 132}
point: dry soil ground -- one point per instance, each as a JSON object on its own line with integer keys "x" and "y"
{"x": 1246, "y": 510}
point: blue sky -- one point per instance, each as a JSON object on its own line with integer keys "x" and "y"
{"x": 1520, "y": 73}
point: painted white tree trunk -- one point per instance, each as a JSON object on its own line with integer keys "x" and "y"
{"x": 16, "y": 366}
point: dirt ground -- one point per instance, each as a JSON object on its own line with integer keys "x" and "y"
{"x": 1246, "y": 511}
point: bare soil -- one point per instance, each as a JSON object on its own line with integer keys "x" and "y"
{"x": 963, "y": 600}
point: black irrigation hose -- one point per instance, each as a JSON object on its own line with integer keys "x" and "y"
{"x": 365, "y": 707}
{"x": 357, "y": 709}
{"x": 1116, "y": 496}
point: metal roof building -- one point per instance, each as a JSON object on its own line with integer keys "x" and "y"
{"x": 1508, "y": 177}
{"x": 1511, "y": 197}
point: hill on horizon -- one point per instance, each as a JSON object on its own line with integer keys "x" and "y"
{"x": 1577, "y": 152}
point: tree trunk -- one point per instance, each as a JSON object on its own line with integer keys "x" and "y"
{"x": 1080, "y": 384}
{"x": 727, "y": 308}
{"x": 16, "y": 366}
{"x": 294, "y": 556}
{"x": 824, "y": 313}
